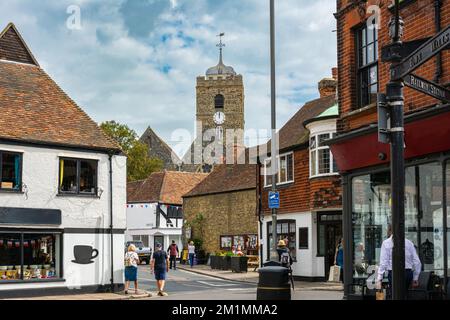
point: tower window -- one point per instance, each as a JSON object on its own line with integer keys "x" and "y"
{"x": 219, "y": 101}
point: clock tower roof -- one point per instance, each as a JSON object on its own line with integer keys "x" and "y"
{"x": 220, "y": 68}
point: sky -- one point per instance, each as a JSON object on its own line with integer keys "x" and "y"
{"x": 136, "y": 61}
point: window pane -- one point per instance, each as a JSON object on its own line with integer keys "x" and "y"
{"x": 448, "y": 214}
{"x": 290, "y": 168}
{"x": 314, "y": 163}
{"x": 370, "y": 53}
{"x": 363, "y": 37}
{"x": 373, "y": 75}
{"x": 370, "y": 35}
{"x": 10, "y": 171}
{"x": 324, "y": 161}
{"x": 88, "y": 176}
{"x": 323, "y": 138}
{"x": 321, "y": 250}
{"x": 303, "y": 238}
{"x": 10, "y": 265}
{"x": 283, "y": 167}
{"x": 431, "y": 219}
{"x": 364, "y": 78}
{"x": 40, "y": 258}
{"x": 313, "y": 143}
{"x": 68, "y": 175}
{"x": 363, "y": 56}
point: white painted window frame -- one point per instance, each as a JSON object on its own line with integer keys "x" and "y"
{"x": 279, "y": 169}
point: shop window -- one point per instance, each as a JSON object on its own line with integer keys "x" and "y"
{"x": 321, "y": 159}
{"x": 371, "y": 197}
{"x": 367, "y": 55}
{"x": 286, "y": 230}
{"x": 285, "y": 170}
{"x": 447, "y": 179}
{"x": 78, "y": 176}
{"x": 303, "y": 238}
{"x": 10, "y": 171}
{"x": 40, "y": 254}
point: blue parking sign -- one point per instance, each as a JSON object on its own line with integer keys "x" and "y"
{"x": 274, "y": 200}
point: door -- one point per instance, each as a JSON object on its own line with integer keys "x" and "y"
{"x": 158, "y": 239}
{"x": 333, "y": 234}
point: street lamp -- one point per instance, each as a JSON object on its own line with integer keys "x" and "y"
{"x": 395, "y": 100}
{"x": 274, "y": 145}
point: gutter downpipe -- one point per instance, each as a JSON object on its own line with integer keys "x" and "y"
{"x": 111, "y": 219}
{"x": 437, "y": 22}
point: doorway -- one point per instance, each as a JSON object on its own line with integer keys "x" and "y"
{"x": 330, "y": 232}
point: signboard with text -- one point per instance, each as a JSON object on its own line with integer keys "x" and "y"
{"x": 274, "y": 200}
{"x": 428, "y": 87}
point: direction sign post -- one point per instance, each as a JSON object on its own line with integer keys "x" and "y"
{"x": 424, "y": 53}
{"x": 428, "y": 87}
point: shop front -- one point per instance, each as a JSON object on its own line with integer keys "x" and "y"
{"x": 367, "y": 197}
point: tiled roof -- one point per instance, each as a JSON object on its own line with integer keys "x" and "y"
{"x": 294, "y": 132}
{"x": 166, "y": 187}
{"x": 227, "y": 178}
{"x": 34, "y": 109}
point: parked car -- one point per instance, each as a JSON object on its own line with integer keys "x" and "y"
{"x": 144, "y": 253}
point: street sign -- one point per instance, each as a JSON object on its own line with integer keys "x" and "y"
{"x": 427, "y": 51}
{"x": 274, "y": 200}
{"x": 427, "y": 87}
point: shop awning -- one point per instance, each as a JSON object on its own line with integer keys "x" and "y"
{"x": 426, "y": 132}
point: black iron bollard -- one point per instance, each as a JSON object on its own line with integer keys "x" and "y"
{"x": 274, "y": 284}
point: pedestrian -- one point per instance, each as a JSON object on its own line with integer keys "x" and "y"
{"x": 339, "y": 258}
{"x": 284, "y": 254}
{"x": 131, "y": 268}
{"x": 173, "y": 252}
{"x": 413, "y": 265}
{"x": 160, "y": 268}
{"x": 191, "y": 250}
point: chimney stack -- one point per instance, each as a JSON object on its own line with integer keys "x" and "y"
{"x": 328, "y": 86}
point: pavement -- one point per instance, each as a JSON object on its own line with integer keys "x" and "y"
{"x": 203, "y": 283}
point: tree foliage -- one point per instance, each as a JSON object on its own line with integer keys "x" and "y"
{"x": 139, "y": 165}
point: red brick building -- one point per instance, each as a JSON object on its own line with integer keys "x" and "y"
{"x": 310, "y": 216}
{"x": 364, "y": 162}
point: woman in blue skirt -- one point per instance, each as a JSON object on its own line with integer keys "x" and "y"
{"x": 131, "y": 268}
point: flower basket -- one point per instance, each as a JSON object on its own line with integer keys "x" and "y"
{"x": 239, "y": 264}
{"x": 225, "y": 263}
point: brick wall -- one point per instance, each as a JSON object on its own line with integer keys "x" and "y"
{"x": 305, "y": 194}
{"x": 419, "y": 18}
{"x": 232, "y": 213}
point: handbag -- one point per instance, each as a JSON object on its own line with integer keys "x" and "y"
{"x": 335, "y": 274}
{"x": 380, "y": 295}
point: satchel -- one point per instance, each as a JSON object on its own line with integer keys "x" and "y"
{"x": 335, "y": 274}
{"x": 380, "y": 295}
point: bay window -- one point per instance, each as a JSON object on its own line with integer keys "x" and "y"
{"x": 285, "y": 170}
{"x": 78, "y": 176}
{"x": 10, "y": 171}
{"x": 321, "y": 158}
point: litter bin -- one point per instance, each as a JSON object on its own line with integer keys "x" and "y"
{"x": 273, "y": 284}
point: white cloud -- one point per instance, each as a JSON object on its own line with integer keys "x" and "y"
{"x": 151, "y": 80}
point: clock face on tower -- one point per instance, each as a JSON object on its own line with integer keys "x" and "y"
{"x": 219, "y": 118}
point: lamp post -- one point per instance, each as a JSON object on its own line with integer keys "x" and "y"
{"x": 395, "y": 100}
{"x": 274, "y": 144}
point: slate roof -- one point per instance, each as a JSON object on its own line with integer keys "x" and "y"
{"x": 33, "y": 107}
{"x": 226, "y": 178}
{"x": 166, "y": 187}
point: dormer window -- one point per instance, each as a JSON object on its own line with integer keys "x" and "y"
{"x": 219, "y": 101}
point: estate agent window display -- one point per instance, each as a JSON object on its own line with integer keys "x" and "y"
{"x": 29, "y": 256}
{"x": 424, "y": 216}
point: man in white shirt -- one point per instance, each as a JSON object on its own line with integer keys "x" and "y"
{"x": 413, "y": 265}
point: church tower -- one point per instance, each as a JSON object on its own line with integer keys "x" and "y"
{"x": 220, "y": 108}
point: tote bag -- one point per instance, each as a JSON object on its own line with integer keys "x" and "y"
{"x": 335, "y": 274}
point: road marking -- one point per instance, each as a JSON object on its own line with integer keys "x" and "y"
{"x": 240, "y": 289}
{"x": 217, "y": 285}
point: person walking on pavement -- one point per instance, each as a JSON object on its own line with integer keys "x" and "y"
{"x": 191, "y": 250}
{"x": 284, "y": 255}
{"x": 160, "y": 268}
{"x": 339, "y": 258}
{"x": 413, "y": 265}
{"x": 131, "y": 268}
{"x": 173, "y": 252}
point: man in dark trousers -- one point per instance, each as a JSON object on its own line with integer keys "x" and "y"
{"x": 173, "y": 252}
{"x": 160, "y": 268}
